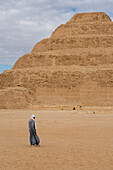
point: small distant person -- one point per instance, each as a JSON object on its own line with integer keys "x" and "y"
{"x": 74, "y": 108}
{"x": 61, "y": 108}
{"x": 34, "y": 139}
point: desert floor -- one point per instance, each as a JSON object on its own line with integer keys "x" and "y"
{"x": 70, "y": 140}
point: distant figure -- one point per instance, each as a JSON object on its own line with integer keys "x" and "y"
{"x": 74, "y": 108}
{"x": 80, "y": 107}
{"x": 34, "y": 139}
{"x": 61, "y": 108}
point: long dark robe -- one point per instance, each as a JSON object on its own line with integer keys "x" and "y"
{"x": 34, "y": 139}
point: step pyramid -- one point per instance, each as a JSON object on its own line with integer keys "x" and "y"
{"x": 72, "y": 67}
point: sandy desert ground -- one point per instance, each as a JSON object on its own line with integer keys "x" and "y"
{"x": 70, "y": 140}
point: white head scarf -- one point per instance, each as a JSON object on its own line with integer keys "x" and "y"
{"x": 32, "y": 116}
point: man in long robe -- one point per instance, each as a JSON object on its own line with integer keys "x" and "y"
{"x": 34, "y": 139}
